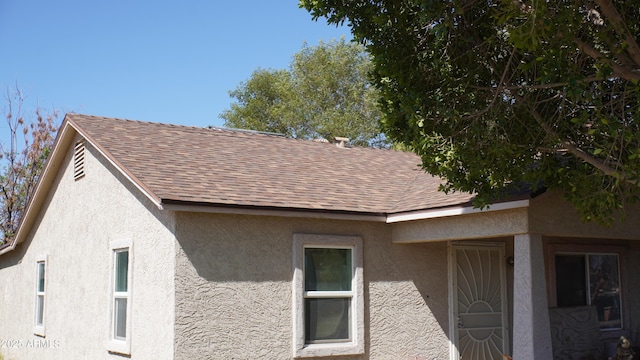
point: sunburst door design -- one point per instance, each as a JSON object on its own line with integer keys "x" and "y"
{"x": 479, "y": 302}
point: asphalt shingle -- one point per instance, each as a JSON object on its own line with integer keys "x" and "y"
{"x": 182, "y": 164}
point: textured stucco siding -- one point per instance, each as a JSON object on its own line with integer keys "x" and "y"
{"x": 487, "y": 224}
{"x": 233, "y": 289}
{"x": 550, "y": 215}
{"x": 74, "y": 230}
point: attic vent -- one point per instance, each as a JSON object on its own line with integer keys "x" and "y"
{"x": 78, "y": 161}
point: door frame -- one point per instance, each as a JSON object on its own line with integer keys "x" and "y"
{"x": 453, "y": 309}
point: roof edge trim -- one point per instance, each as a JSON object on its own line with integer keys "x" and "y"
{"x": 5, "y": 248}
{"x": 453, "y": 211}
{"x": 273, "y": 211}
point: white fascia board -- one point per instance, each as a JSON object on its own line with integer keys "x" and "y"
{"x": 389, "y": 219}
{"x": 8, "y": 247}
{"x": 453, "y": 211}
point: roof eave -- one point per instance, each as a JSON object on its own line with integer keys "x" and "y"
{"x": 186, "y": 206}
{"x": 389, "y": 218}
{"x": 5, "y": 248}
{"x": 454, "y": 210}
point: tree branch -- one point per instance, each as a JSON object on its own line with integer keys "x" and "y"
{"x": 498, "y": 89}
{"x": 537, "y": 87}
{"x": 618, "y": 70}
{"x": 577, "y": 152}
{"x": 611, "y": 13}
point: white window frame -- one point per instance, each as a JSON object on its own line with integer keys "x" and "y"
{"x": 116, "y": 344}
{"x": 355, "y": 345}
{"x": 39, "y": 328}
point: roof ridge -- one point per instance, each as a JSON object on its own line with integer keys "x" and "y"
{"x": 249, "y": 131}
{"x": 87, "y": 116}
{"x": 227, "y": 130}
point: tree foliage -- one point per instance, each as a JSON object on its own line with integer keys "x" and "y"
{"x": 493, "y": 94}
{"x": 22, "y": 159}
{"x": 325, "y": 93}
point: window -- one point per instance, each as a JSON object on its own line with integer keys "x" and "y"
{"x": 41, "y": 265}
{"x": 590, "y": 279}
{"x": 120, "y": 337}
{"x": 328, "y": 295}
{"x": 120, "y": 294}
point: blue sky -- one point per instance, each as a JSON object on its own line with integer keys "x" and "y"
{"x": 162, "y": 61}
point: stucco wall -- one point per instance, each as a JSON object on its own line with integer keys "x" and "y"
{"x": 74, "y": 230}
{"x": 233, "y": 288}
{"x": 488, "y": 224}
{"x": 548, "y": 214}
{"x": 551, "y": 215}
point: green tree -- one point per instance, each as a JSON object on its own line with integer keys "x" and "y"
{"x": 21, "y": 159}
{"x": 325, "y": 93}
{"x": 493, "y": 94}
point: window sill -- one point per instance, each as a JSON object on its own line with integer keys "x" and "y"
{"x": 320, "y": 350}
{"x": 119, "y": 347}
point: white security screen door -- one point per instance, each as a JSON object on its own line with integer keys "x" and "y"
{"x": 478, "y": 301}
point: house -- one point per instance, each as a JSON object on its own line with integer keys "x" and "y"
{"x": 155, "y": 241}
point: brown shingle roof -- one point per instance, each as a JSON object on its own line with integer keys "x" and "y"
{"x": 181, "y": 164}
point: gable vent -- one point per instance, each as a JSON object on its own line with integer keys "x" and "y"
{"x": 78, "y": 161}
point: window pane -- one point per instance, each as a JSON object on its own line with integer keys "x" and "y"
{"x": 571, "y": 282}
{"x": 604, "y": 284}
{"x": 39, "y": 309}
{"x": 327, "y": 269}
{"x": 327, "y": 319}
{"x": 120, "y": 319}
{"x": 41, "y": 276}
{"x": 122, "y": 266}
